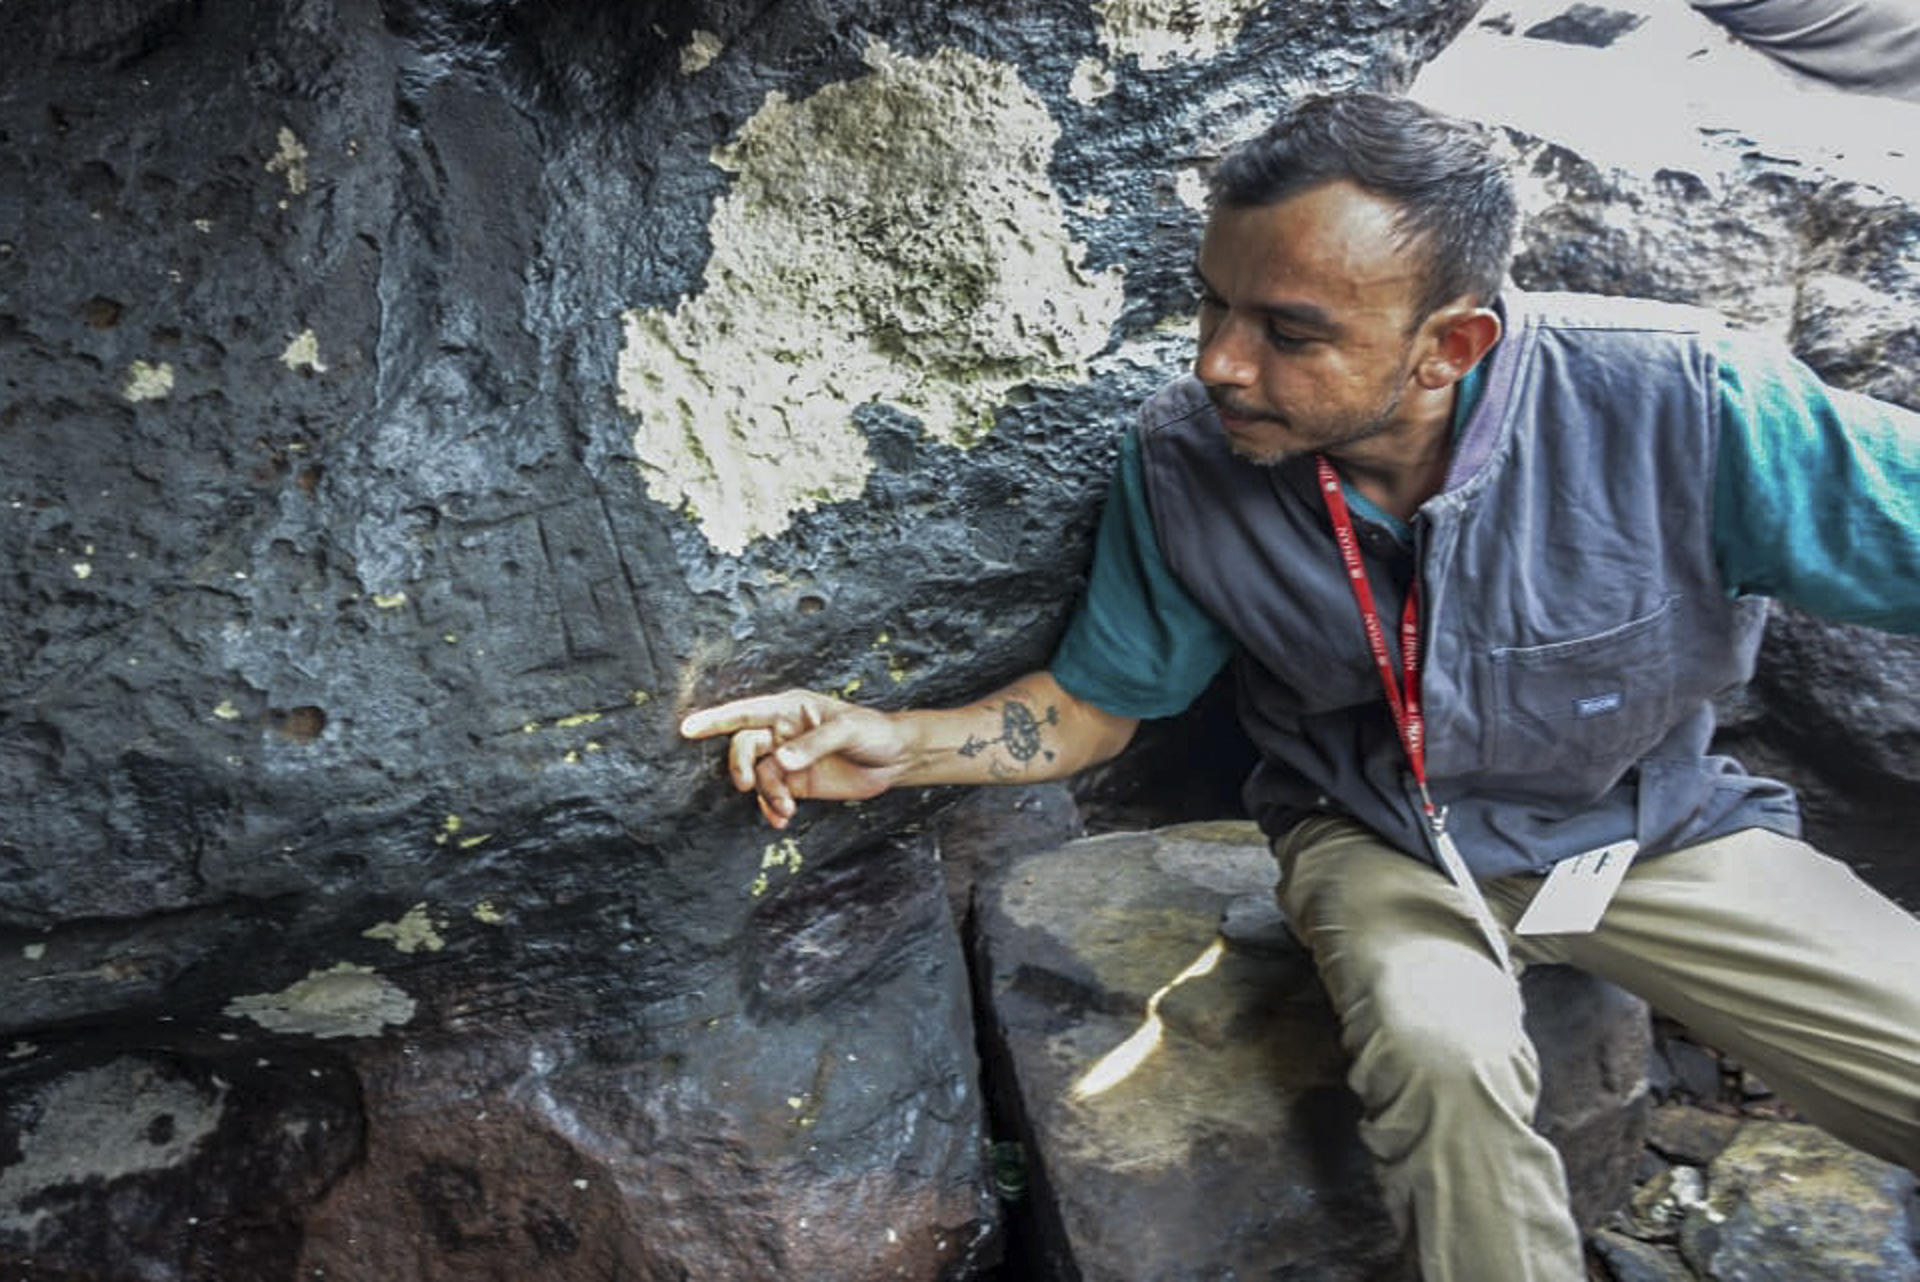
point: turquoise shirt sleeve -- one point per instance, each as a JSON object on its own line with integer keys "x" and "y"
{"x": 1816, "y": 492}
{"x": 1138, "y": 645}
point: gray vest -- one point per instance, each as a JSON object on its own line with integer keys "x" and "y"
{"x": 1576, "y": 626}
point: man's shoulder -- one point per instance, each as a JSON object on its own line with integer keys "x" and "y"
{"x": 1178, "y": 403}
{"x": 1575, "y": 313}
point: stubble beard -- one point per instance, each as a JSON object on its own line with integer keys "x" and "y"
{"x": 1329, "y": 436}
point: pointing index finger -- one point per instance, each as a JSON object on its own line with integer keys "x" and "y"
{"x": 741, "y": 714}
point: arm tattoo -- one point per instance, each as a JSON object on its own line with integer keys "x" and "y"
{"x": 1020, "y": 734}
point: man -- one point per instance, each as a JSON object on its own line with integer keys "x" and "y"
{"x": 1869, "y": 46}
{"x": 1481, "y": 561}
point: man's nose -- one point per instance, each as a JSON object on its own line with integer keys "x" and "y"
{"x": 1223, "y": 358}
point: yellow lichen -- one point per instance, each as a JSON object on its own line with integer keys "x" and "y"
{"x": 784, "y": 853}
{"x": 893, "y": 239}
{"x": 291, "y": 160}
{"x": 389, "y": 600}
{"x": 486, "y": 914}
{"x": 700, "y": 52}
{"x": 148, "y": 382}
{"x": 413, "y": 932}
{"x": 303, "y": 354}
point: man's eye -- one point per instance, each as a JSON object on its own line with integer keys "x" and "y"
{"x": 1284, "y": 341}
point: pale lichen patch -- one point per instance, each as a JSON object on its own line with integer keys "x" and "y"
{"x": 346, "y": 1001}
{"x": 1191, "y": 189}
{"x": 290, "y": 160}
{"x": 415, "y": 930}
{"x": 148, "y": 381}
{"x": 1162, "y": 32}
{"x": 893, "y": 239}
{"x": 700, "y": 52}
{"x": 303, "y": 354}
{"x": 1092, "y": 81}
{"x": 97, "y": 1125}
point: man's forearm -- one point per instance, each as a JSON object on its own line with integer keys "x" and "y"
{"x": 1028, "y": 732}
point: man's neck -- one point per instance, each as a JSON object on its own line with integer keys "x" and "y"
{"x": 1403, "y": 467}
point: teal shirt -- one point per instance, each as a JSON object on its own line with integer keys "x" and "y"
{"x": 1816, "y": 501}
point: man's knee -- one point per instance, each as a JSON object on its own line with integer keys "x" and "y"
{"x": 1446, "y": 1034}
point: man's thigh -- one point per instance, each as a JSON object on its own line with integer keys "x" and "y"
{"x": 1395, "y": 941}
{"x": 1780, "y": 956}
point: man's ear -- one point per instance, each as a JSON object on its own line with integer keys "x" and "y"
{"x": 1457, "y": 335}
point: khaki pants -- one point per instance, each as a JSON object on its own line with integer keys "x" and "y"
{"x": 1762, "y": 946}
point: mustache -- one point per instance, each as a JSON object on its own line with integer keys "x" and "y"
{"x": 1226, "y": 405}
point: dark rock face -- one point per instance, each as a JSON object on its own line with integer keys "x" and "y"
{"x": 159, "y": 1155}
{"x": 408, "y": 410}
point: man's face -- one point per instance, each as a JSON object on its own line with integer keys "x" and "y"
{"x": 1306, "y": 320}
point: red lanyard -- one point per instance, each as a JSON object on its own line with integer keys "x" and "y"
{"x": 1403, "y": 691}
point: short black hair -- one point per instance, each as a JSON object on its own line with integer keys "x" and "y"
{"x": 1454, "y": 192}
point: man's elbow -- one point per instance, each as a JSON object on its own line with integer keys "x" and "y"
{"x": 1110, "y": 735}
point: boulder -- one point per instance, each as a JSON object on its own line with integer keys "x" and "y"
{"x": 1785, "y": 1200}
{"x": 1181, "y": 1094}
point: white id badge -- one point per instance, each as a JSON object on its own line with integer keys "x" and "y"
{"x": 1577, "y": 891}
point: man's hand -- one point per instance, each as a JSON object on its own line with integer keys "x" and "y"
{"x": 800, "y": 744}
{"x": 796, "y": 745}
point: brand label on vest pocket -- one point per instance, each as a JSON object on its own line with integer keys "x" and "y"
{"x": 1599, "y": 705}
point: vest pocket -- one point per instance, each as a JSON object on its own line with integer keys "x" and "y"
{"x": 1604, "y": 699}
